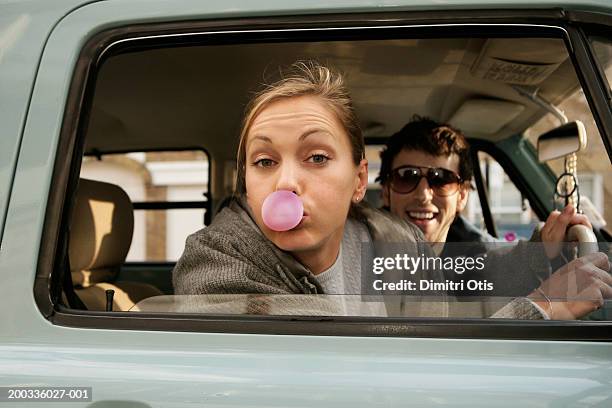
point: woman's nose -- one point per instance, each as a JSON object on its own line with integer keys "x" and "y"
{"x": 288, "y": 178}
{"x": 423, "y": 190}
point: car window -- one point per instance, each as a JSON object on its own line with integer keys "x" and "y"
{"x": 374, "y": 192}
{"x": 593, "y": 164}
{"x": 170, "y": 97}
{"x": 168, "y": 191}
{"x": 510, "y": 209}
{"x": 603, "y": 52}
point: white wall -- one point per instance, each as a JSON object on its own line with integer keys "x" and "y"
{"x": 184, "y": 181}
{"x": 181, "y": 223}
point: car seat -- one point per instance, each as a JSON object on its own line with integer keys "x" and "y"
{"x": 101, "y": 231}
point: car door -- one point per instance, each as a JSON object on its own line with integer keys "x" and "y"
{"x": 23, "y": 32}
{"x": 171, "y": 360}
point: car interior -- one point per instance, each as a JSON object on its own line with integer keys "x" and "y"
{"x": 185, "y": 97}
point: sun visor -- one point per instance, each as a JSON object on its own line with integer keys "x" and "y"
{"x": 476, "y": 117}
{"x": 519, "y": 62}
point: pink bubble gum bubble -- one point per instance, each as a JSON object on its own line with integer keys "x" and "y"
{"x": 282, "y": 210}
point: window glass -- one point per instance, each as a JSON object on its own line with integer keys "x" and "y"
{"x": 163, "y": 176}
{"x": 511, "y": 211}
{"x": 593, "y": 164}
{"x": 159, "y": 235}
{"x": 603, "y": 52}
{"x": 160, "y": 177}
{"x": 374, "y": 192}
{"x": 358, "y": 265}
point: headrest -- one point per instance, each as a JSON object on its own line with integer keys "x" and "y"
{"x": 100, "y": 232}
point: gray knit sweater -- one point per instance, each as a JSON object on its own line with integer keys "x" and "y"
{"x": 231, "y": 256}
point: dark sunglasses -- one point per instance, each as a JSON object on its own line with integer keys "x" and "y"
{"x": 443, "y": 182}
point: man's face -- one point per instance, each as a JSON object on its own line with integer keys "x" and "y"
{"x": 432, "y": 213}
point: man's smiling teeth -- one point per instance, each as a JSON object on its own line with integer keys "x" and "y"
{"x": 421, "y": 215}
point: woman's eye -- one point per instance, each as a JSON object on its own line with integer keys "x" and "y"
{"x": 264, "y": 163}
{"x": 318, "y": 158}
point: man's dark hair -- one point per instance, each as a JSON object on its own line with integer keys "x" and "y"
{"x": 431, "y": 137}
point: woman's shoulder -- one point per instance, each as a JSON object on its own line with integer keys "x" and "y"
{"x": 231, "y": 221}
{"x": 384, "y": 226}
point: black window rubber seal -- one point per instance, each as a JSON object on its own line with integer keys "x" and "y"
{"x": 506, "y": 329}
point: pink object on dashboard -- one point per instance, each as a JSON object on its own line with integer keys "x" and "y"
{"x": 282, "y": 210}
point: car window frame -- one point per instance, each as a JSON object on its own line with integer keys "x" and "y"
{"x": 348, "y": 27}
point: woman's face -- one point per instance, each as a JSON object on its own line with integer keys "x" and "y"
{"x": 298, "y": 144}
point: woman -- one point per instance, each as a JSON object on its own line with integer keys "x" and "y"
{"x": 300, "y": 134}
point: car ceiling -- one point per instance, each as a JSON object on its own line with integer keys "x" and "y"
{"x": 195, "y": 96}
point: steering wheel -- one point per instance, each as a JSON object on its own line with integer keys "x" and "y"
{"x": 587, "y": 241}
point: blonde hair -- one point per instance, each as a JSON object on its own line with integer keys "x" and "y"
{"x": 303, "y": 78}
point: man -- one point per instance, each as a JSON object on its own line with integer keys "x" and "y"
{"x": 421, "y": 146}
{"x": 425, "y": 175}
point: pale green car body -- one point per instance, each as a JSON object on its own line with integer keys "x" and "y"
{"x": 40, "y": 42}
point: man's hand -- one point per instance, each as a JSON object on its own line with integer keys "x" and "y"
{"x": 554, "y": 230}
{"x": 576, "y": 289}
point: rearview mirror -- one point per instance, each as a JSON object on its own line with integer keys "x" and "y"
{"x": 562, "y": 141}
